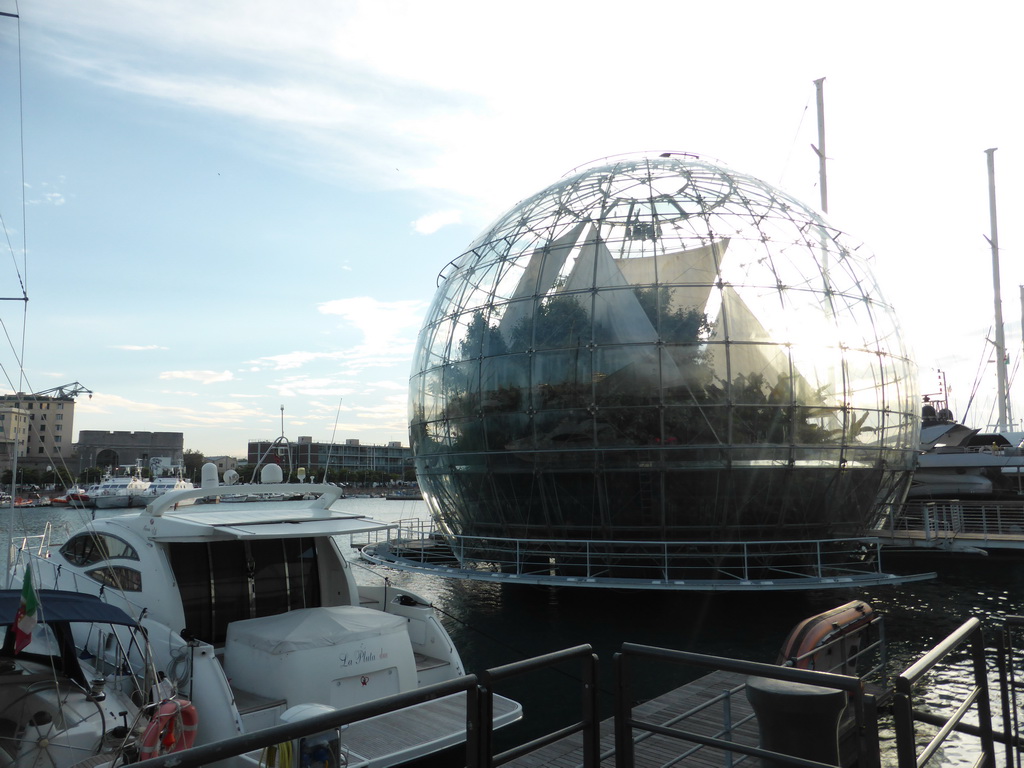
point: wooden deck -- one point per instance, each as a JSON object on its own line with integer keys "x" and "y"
{"x": 655, "y": 751}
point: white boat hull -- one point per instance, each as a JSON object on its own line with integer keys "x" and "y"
{"x": 278, "y": 619}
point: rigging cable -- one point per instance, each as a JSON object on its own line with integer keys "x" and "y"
{"x": 796, "y": 138}
{"x": 977, "y": 381}
{"x": 22, "y": 270}
{"x": 334, "y": 433}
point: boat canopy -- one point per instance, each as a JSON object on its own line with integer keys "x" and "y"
{"x": 57, "y": 605}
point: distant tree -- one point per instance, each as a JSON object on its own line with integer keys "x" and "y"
{"x": 192, "y": 462}
{"x": 26, "y": 476}
{"x": 59, "y": 477}
{"x": 91, "y": 475}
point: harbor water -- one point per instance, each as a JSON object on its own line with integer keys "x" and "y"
{"x": 495, "y": 624}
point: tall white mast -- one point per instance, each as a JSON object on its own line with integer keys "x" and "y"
{"x": 1000, "y": 341}
{"x": 819, "y": 150}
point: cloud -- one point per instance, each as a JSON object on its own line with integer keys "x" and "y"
{"x": 393, "y": 385}
{"x": 389, "y": 335}
{"x": 288, "y": 360}
{"x": 429, "y": 224}
{"x": 171, "y": 417}
{"x": 310, "y": 387}
{"x": 381, "y": 322}
{"x": 203, "y": 377}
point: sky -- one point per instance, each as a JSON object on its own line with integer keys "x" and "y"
{"x": 219, "y": 209}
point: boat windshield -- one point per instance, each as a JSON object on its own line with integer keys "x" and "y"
{"x": 225, "y": 581}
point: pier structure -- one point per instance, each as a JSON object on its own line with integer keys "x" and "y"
{"x": 695, "y": 566}
{"x": 969, "y": 526}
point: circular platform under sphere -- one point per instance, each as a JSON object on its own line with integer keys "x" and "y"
{"x": 658, "y": 349}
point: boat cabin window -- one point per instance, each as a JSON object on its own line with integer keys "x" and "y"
{"x": 89, "y": 548}
{"x": 225, "y": 581}
{"x": 118, "y": 577}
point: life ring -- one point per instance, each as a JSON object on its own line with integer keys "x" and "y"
{"x": 171, "y": 729}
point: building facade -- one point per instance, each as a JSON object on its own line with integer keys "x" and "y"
{"x": 351, "y": 455}
{"x": 159, "y": 451}
{"x": 223, "y": 463}
{"x": 38, "y": 428}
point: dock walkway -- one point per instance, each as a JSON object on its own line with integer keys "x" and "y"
{"x": 706, "y": 705}
{"x": 957, "y": 526}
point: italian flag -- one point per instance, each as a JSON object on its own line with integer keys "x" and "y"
{"x": 25, "y": 621}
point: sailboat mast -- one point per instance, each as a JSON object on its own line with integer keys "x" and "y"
{"x": 1000, "y": 341}
{"x": 819, "y": 150}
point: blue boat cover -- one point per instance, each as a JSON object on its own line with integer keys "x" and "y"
{"x": 57, "y": 605}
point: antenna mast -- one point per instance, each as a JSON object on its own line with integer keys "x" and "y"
{"x": 1000, "y": 342}
{"x": 819, "y": 150}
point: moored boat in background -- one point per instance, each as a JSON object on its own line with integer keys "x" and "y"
{"x": 117, "y": 492}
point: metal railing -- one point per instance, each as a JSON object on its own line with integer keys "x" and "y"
{"x": 279, "y": 734}
{"x": 481, "y": 744}
{"x": 584, "y": 561}
{"x": 479, "y": 717}
{"x": 733, "y": 733}
{"x": 38, "y": 543}
{"x": 937, "y": 520}
{"x": 968, "y": 638}
{"x": 1010, "y": 653}
{"x": 864, "y": 716}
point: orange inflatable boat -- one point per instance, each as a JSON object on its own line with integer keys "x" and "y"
{"x": 829, "y": 641}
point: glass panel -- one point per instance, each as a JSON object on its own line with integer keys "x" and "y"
{"x": 118, "y": 577}
{"x": 561, "y": 322}
{"x": 89, "y": 548}
{"x": 191, "y": 565}
{"x": 627, "y": 375}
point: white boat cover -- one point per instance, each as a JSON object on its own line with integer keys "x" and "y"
{"x": 308, "y": 628}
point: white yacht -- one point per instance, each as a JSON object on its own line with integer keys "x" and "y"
{"x": 252, "y": 611}
{"x": 117, "y": 492}
{"x": 958, "y": 462}
{"x": 158, "y": 486}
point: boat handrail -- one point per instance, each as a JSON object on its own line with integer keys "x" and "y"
{"x": 327, "y": 494}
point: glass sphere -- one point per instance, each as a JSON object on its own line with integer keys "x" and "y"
{"x": 656, "y": 348}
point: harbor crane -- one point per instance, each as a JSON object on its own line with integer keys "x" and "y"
{"x": 66, "y": 391}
